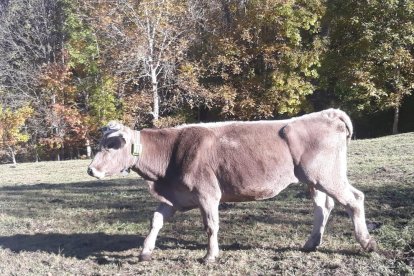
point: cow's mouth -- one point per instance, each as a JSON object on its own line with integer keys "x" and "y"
{"x": 125, "y": 172}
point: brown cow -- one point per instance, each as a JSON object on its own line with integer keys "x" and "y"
{"x": 201, "y": 165}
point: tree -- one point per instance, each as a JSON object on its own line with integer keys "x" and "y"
{"x": 103, "y": 102}
{"x": 12, "y": 133}
{"x": 30, "y": 36}
{"x": 59, "y": 95}
{"x": 151, "y": 38}
{"x": 370, "y": 62}
{"x": 260, "y": 58}
{"x": 97, "y": 101}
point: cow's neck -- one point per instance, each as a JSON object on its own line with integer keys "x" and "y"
{"x": 157, "y": 146}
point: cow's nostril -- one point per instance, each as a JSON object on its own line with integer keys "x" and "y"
{"x": 90, "y": 172}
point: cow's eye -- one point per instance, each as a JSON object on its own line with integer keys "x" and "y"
{"x": 114, "y": 142}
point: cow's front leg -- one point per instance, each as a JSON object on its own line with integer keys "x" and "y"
{"x": 163, "y": 212}
{"x": 323, "y": 205}
{"x": 210, "y": 214}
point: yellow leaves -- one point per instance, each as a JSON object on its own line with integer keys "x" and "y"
{"x": 11, "y": 124}
{"x": 190, "y": 72}
{"x": 103, "y": 101}
{"x": 246, "y": 35}
{"x": 266, "y": 58}
{"x": 289, "y": 92}
{"x": 402, "y": 59}
{"x": 226, "y": 96}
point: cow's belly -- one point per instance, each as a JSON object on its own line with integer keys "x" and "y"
{"x": 184, "y": 200}
{"x": 259, "y": 168}
{"x": 237, "y": 184}
{"x": 173, "y": 193}
{"x": 247, "y": 188}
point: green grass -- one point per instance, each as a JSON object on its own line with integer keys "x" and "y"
{"x": 56, "y": 220}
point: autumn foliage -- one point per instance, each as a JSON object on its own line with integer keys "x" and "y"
{"x": 12, "y": 134}
{"x": 67, "y": 67}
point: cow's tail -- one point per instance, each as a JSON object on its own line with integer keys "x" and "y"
{"x": 337, "y": 113}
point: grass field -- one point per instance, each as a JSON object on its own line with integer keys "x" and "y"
{"x": 56, "y": 220}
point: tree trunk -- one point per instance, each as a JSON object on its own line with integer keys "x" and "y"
{"x": 88, "y": 149}
{"x": 62, "y": 152}
{"x": 13, "y": 156}
{"x": 396, "y": 120}
{"x": 155, "y": 97}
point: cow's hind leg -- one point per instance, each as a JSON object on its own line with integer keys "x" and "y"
{"x": 323, "y": 205}
{"x": 163, "y": 212}
{"x": 353, "y": 200}
{"x": 210, "y": 214}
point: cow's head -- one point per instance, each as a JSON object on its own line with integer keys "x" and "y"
{"x": 114, "y": 155}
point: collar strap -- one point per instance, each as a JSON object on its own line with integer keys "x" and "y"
{"x": 136, "y": 147}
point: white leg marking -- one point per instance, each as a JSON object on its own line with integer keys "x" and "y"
{"x": 163, "y": 212}
{"x": 323, "y": 205}
{"x": 210, "y": 214}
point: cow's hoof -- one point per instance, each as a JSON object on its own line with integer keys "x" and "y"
{"x": 371, "y": 245}
{"x": 312, "y": 243}
{"x": 208, "y": 260}
{"x": 309, "y": 248}
{"x": 145, "y": 257}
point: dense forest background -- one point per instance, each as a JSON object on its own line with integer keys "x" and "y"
{"x": 68, "y": 66}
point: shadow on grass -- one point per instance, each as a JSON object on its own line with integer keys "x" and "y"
{"x": 84, "y": 245}
{"x": 78, "y": 187}
{"x": 72, "y": 245}
{"x": 396, "y": 202}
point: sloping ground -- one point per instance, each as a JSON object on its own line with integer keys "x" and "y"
{"x": 384, "y": 169}
{"x": 56, "y": 220}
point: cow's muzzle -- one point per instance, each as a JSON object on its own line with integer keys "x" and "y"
{"x": 95, "y": 173}
{"x": 90, "y": 171}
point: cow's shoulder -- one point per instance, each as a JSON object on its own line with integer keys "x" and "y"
{"x": 195, "y": 144}
{"x": 196, "y": 135}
